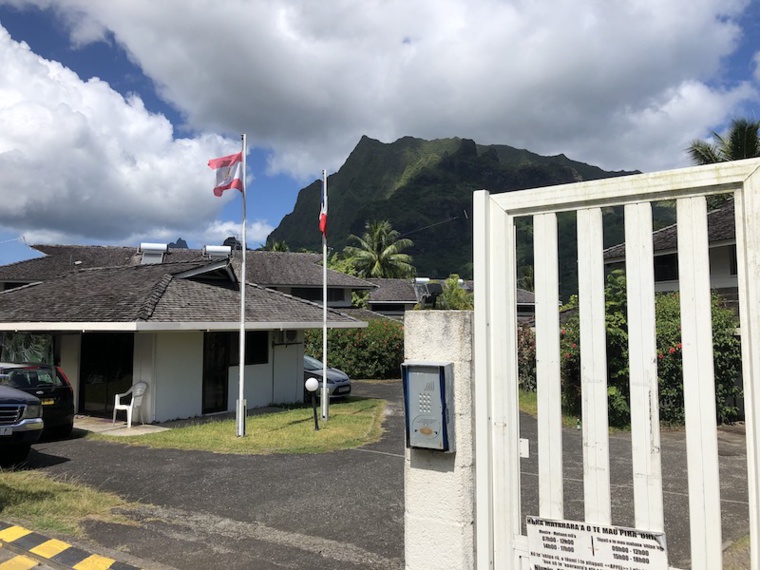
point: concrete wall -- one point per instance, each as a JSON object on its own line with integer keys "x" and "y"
{"x": 177, "y": 386}
{"x": 439, "y": 488}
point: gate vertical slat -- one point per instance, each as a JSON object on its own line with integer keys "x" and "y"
{"x": 504, "y": 390}
{"x": 699, "y": 384}
{"x": 596, "y": 453}
{"x": 483, "y": 262}
{"x": 549, "y": 393}
{"x": 747, "y": 214}
{"x": 642, "y": 350}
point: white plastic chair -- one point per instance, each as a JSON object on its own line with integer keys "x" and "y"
{"x": 137, "y": 391}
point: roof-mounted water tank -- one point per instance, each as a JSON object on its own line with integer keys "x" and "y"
{"x": 152, "y": 253}
{"x": 217, "y": 251}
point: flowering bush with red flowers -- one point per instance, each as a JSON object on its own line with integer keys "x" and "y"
{"x": 727, "y": 357}
{"x": 375, "y": 352}
{"x": 526, "y": 358}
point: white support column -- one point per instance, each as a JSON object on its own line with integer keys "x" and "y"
{"x": 596, "y": 452}
{"x": 699, "y": 384}
{"x": 642, "y": 361}
{"x": 549, "y": 389}
{"x": 439, "y": 488}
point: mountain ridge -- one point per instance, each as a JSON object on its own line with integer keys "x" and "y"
{"x": 424, "y": 188}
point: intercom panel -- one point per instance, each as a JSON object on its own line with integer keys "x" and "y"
{"x": 429, "y": 404}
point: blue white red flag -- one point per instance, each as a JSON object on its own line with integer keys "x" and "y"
{"x": 229, "y": 172}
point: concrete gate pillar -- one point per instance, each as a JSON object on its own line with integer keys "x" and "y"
{"x": 439, "y": 488}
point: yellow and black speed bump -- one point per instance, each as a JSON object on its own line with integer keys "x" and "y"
{"x": 52, "y": 551}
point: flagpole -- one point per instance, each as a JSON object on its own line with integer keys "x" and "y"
{"x": 325, "y": 395}
{"x": 241, "y": 411}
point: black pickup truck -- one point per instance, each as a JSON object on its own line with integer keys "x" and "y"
{"x": 20, "y": 424}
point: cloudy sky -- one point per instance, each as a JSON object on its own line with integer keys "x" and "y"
{"x": 110, "y": 110}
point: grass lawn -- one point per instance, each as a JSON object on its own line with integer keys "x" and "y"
{"x": 351, "y": 423}
{"x": 46, "y": 504}
{"x": 529, "y": 405}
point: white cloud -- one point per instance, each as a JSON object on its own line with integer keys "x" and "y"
{"x": 308, "y": 79}
{"x": 623, "y": 85}
{"x": 256, "y": 232}
{"x": 79, "y": 160}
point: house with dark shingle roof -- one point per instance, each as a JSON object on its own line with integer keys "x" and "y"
{"x": 391, "y": 297}
{"x": 722, "y": 239}
{"x": 110, "y": 320}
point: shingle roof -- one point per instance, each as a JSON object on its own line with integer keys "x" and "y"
{"x": 152, "y": 293}
{"x": 275, "y": 268}
{"x": 525, "y": 297}
{"x": 392, "y": 291}
{"x": 720, "y": 227}
{"x": 267, "y": 268}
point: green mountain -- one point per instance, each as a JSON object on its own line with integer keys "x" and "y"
{"x": 424, "y": 188}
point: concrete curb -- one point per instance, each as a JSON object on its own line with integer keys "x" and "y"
{"x": 53, "y": 552}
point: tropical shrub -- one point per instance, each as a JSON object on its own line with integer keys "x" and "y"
{"x": 526, "y": 358}
{"x": 453, "y": 297}
{"x": 726, "y": 347}
{"x": 374, "y": 352}
{"x": 727, "y": 358}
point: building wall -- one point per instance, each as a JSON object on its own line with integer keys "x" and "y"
{"x": 279, "y": 381}
{"x": 721, "y": 276}
{"x": 177, "y": 379}
{"x": 172, "y": 365}
{"x": 439, "y": 488}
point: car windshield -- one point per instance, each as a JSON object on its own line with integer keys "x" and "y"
{"x": 310, "y": 363}
{"x": 26, "y": 378}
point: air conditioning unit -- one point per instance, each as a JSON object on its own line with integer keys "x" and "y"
{"x": 285, "y": 337}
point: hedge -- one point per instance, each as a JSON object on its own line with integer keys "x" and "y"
{"x": 374, "y": 352}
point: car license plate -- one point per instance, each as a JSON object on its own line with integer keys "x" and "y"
{"x": 48, "y": 402}
{"x": 6, "y": 431}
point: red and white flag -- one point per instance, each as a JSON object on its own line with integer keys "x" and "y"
{"x": 229, "y": 172}
{"x": 323, "y": 210}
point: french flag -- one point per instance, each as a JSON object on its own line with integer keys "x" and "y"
{"x": 229, "y": 172}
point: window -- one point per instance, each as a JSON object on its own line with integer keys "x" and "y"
{"x": 256, "y": 348}
{"x": 666, "y": 267}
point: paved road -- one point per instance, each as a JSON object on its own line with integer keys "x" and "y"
{"x": 342, "y": 510}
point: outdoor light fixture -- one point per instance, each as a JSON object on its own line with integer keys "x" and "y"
{"x": 312, "y": 385}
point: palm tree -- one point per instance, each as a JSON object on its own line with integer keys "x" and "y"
{"x": 274, "y": 245}
{"x": 741, "y": 142}
{"x": 378, "y": 252}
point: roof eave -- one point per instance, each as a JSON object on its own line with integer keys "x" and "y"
{"x": 172, "y": 326}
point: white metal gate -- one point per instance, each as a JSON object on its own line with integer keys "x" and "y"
{"x": 500, "y": 542}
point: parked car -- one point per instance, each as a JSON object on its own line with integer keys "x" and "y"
{"x": 50, "y": 385}
{"x": 338, "y": 382}
{"x": 20, "y": 424}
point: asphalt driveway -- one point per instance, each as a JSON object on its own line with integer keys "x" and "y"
{"x": 340, "y": 510}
